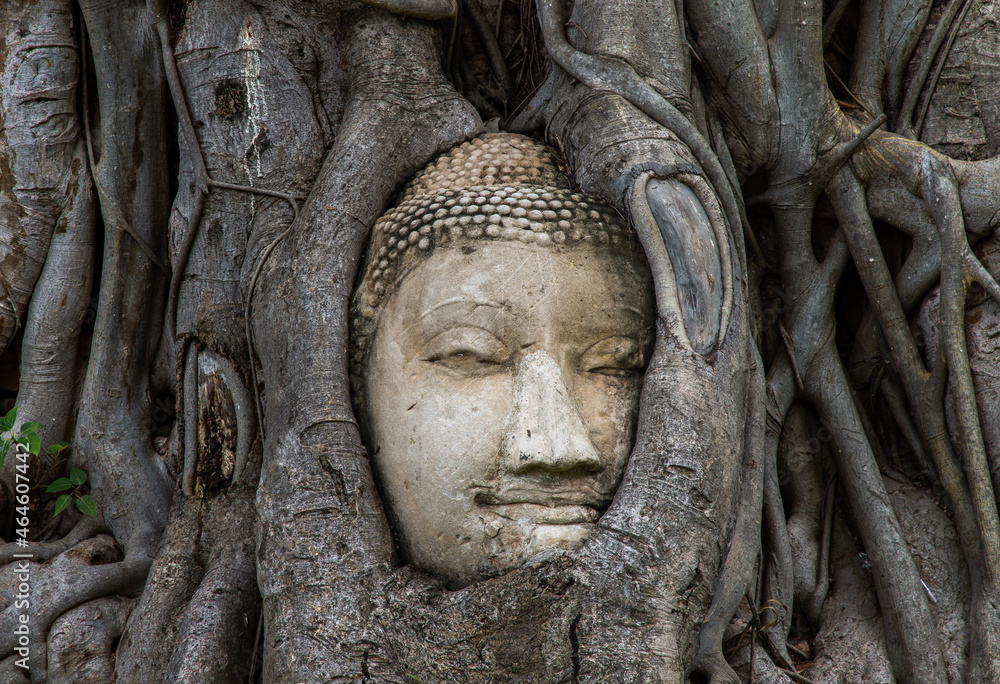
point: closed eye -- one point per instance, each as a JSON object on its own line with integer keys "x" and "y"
{"x": 467, "y": 350}
{"x": 615, "y": 356}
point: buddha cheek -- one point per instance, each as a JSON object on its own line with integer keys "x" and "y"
{"x": 453, "y": 435}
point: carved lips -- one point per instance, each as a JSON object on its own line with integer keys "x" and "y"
{"x": 547, "y": 515}
{"x": 544, "y": 507}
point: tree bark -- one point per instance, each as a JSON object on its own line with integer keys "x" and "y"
{"x": 812, "y": 493}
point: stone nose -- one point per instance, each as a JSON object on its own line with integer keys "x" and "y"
{"x": 544, "y": 430}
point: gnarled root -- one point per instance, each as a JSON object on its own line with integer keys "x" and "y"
{"x": 82, "y": 641}
{"x": 202, "y": 591}
{"x": 38, "y": 75}
{"x": 92, "y": 569}
{"x": 84, "y": 529}
{"x": 315, "y": 540}
{"x": 736, "y": 576}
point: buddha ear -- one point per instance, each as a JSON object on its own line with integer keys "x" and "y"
{"x": 688, "y": 254}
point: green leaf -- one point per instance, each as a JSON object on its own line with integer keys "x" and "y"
{"x": 3, "y": 452}
{"x": 31, "y": 427}
{"x": 58, "y": 446}
{"x": 77, "y": 476}
{"x": 7, "y": 422}
{"x": 60, "y": 485}
{"x": 34, "y": 443}
{"x": 61, "y": 503}
{"x": 87, "y": 505}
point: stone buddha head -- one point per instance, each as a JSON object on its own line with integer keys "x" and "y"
{"x": 501, "y": 328}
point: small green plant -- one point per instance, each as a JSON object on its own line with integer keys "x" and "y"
{"x": 83, "y": 501}
{"x": 27, "y": 436}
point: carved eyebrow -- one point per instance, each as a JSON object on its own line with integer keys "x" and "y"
{"x": 458, "y": 299}
{"x": 628, "y": 308}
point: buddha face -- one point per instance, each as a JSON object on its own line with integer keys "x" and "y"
{"x": 502, "y": 397}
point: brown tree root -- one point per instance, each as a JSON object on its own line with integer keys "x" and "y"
{"x": 778, "y": 566}
{"x": 316, "y": 540}
{"x": 528, "y": 639}
{"x": 749, "y": 659}
{"x": 942, "y": 197}
{"x": 800, "y": 460}
{"x": 814, "y": 606}
{"x": 824, "y": 382}
{"x": 188, "y": 226}
{"x": 850, "y": 644}
{"x": 59, "y": 303}
{"x": 904, "y": 122}
{"x": 971, "y": 493}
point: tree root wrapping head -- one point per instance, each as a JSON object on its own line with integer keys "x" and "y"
{"x": 501, "y": 330}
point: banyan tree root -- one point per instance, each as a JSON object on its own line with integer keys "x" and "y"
{"x": 311, "y": 433}
{"x": 82, "y": 642}
{"x": 111, "y": 435}
{"x": 84, "y": 529}
{"x": 59, "y": 304}
{"x": 769, "y": 61}
{"x": 40, "y": 139}
{"x": 797, "y": 74}
{"x": 46, "y": 242}
{"x": 201, "y": 590}
{"x": 850, "y": 640}
{"x": 804, "y": 457}
{"x": 90, "y": 570}
{"x": 736, "y": 577}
